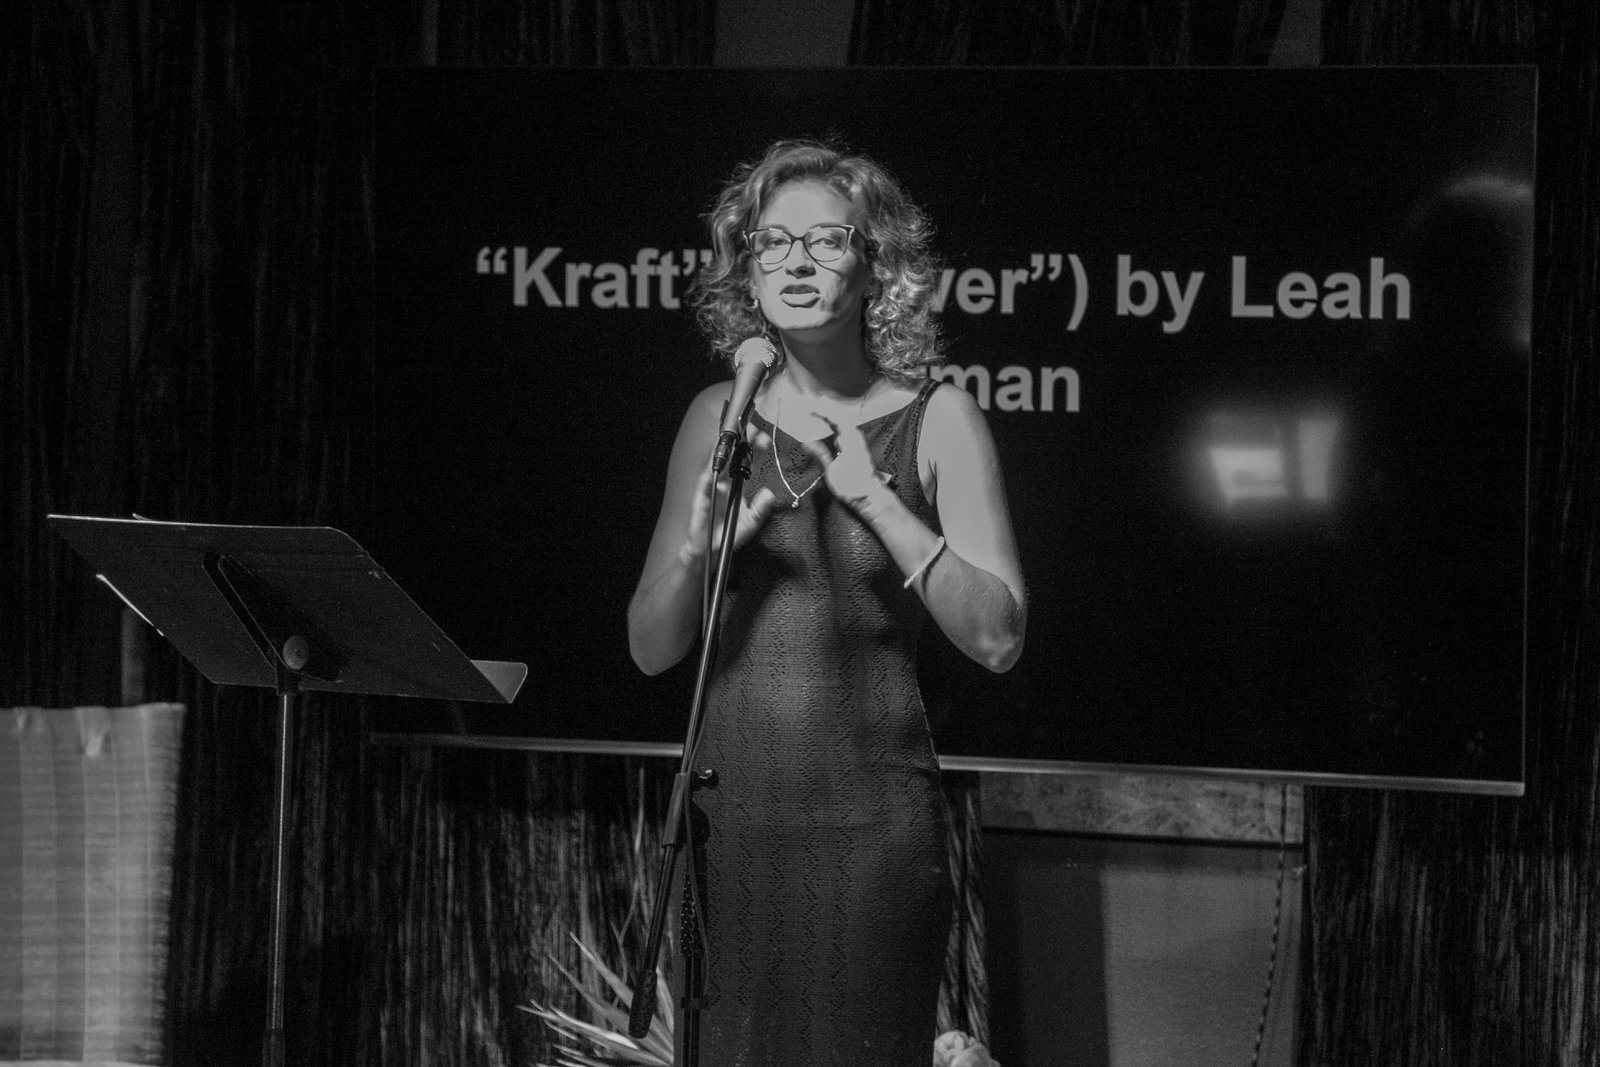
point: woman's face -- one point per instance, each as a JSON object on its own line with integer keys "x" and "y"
{"x": 800, "y": 295}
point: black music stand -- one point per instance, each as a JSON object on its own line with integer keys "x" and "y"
{"x": 288, "y": 608}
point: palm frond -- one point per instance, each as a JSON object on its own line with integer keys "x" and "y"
{"x": 606, "y": 1035}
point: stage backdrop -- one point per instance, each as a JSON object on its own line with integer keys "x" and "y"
{"x": 1253, "y": 345}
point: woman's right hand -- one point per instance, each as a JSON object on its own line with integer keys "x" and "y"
{"x": 664, "y": 614}
{"x": 711, "y": 504}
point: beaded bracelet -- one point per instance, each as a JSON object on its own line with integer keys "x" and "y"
{"x": 925, "y": 564}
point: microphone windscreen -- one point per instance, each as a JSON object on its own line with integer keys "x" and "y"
{"x": 755, "y": 348}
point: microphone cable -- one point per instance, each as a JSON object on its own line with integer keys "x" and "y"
{"x": 1277, "y": 924}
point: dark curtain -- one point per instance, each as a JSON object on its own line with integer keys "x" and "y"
{"x": 1449, "y": 930}
{"x": 186, "y": 302}
{"x": 1064, "y": 33}
{"x": 186, "y": 310}
{"x": 49, "y": 61}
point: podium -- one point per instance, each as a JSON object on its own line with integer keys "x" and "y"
{"x": 288, "y": 608}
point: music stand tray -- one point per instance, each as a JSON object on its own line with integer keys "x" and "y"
{"x": 363, "y": 633}
{"x": 288, "y": 608}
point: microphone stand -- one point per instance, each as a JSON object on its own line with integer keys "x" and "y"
{"x": 686, "y": 1052}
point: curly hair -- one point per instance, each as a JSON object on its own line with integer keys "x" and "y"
{"x": 899, "y": 328}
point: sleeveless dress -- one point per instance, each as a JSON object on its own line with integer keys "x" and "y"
{"x": 825, "y": 882}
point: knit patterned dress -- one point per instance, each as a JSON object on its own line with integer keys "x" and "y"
{"x": 826, "y": 889}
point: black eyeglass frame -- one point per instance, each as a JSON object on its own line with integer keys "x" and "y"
{"x": 804, "y": 240}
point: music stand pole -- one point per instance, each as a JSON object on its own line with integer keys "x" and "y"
{"x": 282, "y": 749}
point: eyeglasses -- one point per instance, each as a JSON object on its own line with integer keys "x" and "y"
{"x": 824, "y": 243}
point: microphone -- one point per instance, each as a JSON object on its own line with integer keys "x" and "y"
{"x": 751, "y": 363}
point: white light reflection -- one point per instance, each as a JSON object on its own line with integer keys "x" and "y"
{"x": 1268, "y": 462}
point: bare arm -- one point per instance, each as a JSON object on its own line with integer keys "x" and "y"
{"x": 973, "y": 584}
{"x": 664, "y": 614}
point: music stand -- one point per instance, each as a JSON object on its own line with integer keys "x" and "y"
{"x": 288, "y": 608}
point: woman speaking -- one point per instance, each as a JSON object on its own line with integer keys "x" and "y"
{"x": 875, "y": 499}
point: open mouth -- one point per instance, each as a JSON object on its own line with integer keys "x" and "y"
{"x": 796, "y": 295}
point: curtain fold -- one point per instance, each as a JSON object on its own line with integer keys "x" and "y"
{"x": 49, "y": 80}
{"x": 1073, "y": 33}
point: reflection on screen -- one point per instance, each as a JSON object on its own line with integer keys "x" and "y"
{"x": 1271, "y": 462}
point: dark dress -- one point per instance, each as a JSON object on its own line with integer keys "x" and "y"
{"x": 826, "y": 890}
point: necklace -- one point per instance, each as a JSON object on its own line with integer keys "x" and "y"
{"x": 777, "y": 461}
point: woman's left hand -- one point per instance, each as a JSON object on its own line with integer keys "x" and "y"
{"x": 966, "y": 571}
{"x": 847, "y": 465}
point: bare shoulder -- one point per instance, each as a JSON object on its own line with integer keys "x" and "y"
{"x": 955, "y": 447}
{"x": 953, "y": 418}
{"x": 706, "y": 407}
{"x": 710, "y": 397}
